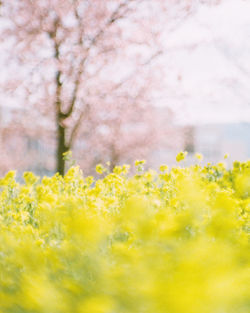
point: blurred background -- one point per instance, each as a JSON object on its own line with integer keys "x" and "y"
{"x": 115, "y": 81}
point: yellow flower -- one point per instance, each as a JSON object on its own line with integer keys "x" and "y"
{"x": 117, "y": 170}
{"x": 163, "y": 168}
{"x": 181, "y": 156}
{"x": 30, "y": 178}
{"x": 99, "y": 169}
{"x": 140, "y": 162}
{"x": 73, "y": 244}
{"x": 199, "y": 156}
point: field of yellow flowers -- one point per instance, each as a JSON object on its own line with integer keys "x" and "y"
{"x": 167, "y": 241}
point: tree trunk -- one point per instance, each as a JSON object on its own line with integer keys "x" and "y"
{"x": 61, "y": 148}
{"x": 113, "y": 159}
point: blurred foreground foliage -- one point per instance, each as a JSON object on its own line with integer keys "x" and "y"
{"x": 170, "y": 241}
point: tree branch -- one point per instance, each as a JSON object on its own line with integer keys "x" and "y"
{"x": 77, "y": 125}
{"x": 115, "y": 15}
{"x": 53, "y": 34}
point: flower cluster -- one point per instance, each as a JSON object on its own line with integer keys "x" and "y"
{"x": 173, "y": 241}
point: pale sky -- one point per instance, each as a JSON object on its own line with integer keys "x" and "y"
{"x": 208, "y": 65}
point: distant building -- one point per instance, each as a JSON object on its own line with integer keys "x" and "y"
{"x": 215, "y": 140}
{"x": 21, "y": 145}
{"x": 33, "y": 148}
